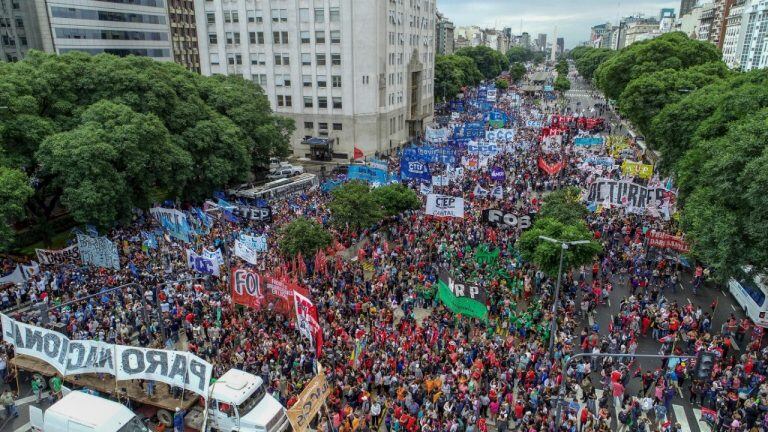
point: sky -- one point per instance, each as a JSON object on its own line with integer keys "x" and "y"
{"x": 573, "y": 18}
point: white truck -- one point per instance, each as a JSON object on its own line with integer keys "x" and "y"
{"x": 238, "y": 402}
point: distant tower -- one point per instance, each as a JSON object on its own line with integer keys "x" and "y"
{"x": 554, "y": 47}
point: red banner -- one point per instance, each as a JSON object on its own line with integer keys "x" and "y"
{"x": 252, "y": 290}
{"x": 279, "y": 294}
{"x": 667, "y": 241}
{"x": 246, "y": 288}
{"x": 550, "y": 169}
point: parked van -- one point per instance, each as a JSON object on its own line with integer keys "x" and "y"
{"x": 751, "y": 294}
{"x": 81, "y": 412}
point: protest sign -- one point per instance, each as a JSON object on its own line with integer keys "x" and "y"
{"x": 533, "y": 124}
{"x": 600, "y": 160}
{"x": 258, "y": 214}
{"x": 367, "y": 174}
{"x": 176, "y": 368}
{"x": 498, "y": 174}
{"x": 550, "y": 169}
{"x": 479, "y": 192}
{"x": 425, "y": 189}
{"x": 215, "y": 256}
{"x": 246, "y": 252}
{"x": 246, "y": 288}
{"x": 667, "y": 241}
{"x": 489, "y": 149}
{"x": 201, "y": 264}
{"x": 378, "y": 164}
{"x": 637, "y": 169}
{"x": 497, "y": 192}
{"x": 174, "y": 221}
{"x": 278, "y": 294}
{"x": 255, "y": 242}
{"x": 491, "y": 95}
{"x": 436, "y": 135}
{"x": 430, "y": 154}
{"x": 468, "y": 131}
{"x": 627, "y": 194}
{"x": 500, "y": 135}
{"x": 441, "y": 180}
{"x": 500, "y": 218}
{"x": 414, "y": 169}
{"x": 468, "y": 300}
{"x": 61, "y": 256}
{"x": 306, "y": 320}
{"x": 587, "y": 141}
{"x": 98, "y": 251}
{"x": 445, "y": 206}
{"x": 309, "y": 402}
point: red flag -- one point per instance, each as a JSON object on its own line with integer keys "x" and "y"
{"x": 361, "y": 255}
{"x": 302, "y": 268}
{"x": 321, "y": 262}
{"x": 338, "y": 263}
{"x": 358, "y": 154}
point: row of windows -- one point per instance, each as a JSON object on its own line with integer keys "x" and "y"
{"x": 122, "y": 52}
{"x": 6, "y": 22}
{"x": 278, "y": 37}
{"x": 323, "y": 126}
{"x": 277, "y": 15}
{"x": 89, "y": 14}
{"x": 322, "y": 102}
{"x": 151, "y": 3}
{"x": 79, "y": 33}
{"x": 280, "y": 59}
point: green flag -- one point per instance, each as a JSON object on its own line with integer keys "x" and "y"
{"x": 483, "y": 255}
{"x": 462, "y": 299}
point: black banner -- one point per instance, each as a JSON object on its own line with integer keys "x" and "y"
{"x": 497, "y": 217}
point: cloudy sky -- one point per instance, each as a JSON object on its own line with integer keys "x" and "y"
{"x": 573, "y": 18}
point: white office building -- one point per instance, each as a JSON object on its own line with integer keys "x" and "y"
{"x": 351, "y": 73}
{"x": 752, "y": 46}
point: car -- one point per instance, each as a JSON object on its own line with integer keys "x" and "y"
{"x": 285, "y": 172}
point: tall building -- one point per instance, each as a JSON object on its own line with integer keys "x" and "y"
{"x": 444, "y": 35}
{"x": 497, "y": 40}
{"x": 184, "y": 33}
{"x": 560, "y": 45}
{"x": 704, "y": 30}
{"x": 733, "y": 41}
{"x": 686, "y": 6}
{"x": 351, "y": 73}
{"x": 720, "y": 22}
{"x": 136, "y": 27}
{"x": 753, "y": 49}
{"x": 525, "y": 40}
{"x": 599, "y": 35}
{"x": 541, "y": 41}
{"x": 641, "y": 30}
{"x": 666, "y": 20}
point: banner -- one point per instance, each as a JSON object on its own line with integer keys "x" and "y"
{"x": 201, "y": 264}
{"x": 246, "y": 288}
{"x": 311, "y": 399}
{"x": 587, "y": 141}
{"x": 215, "y": 256}
{"x": 247, "y": 253}
{"x": 258, "y": 214}
{"x": 479, "y": 192}
{"x": 457, "y": 106}
{"x": 489, "y": 149}
{"x": 367, "y": 174}
{"x": 491, "y": 95}
{"x": 498, "y": 174}
{"x": 468, "y": 300}
{"x": 533, "y": 124}
{"x": 468, "y": 131}
{"x": 430, "y": 154}
{"x": 307, "y": 322}
{"x": 414, "y": 169}
{"x": 71, "y": 357}
{"x": 61, "y": 256}
{"x": 174, "y": 221}
{"x": 496, "y": 135}
{"x": 445, "y": 206}
{"x": 550, "y": 169}
{"x": 437, "y": 135}
{"x": 441, "y": 180}
{"x": 499, "y": 218}
{"x": 278, "y": 294}
{"x": 497, "y": 192}
{"x": 255, "y": 242}
{"x": 637, "y": 169}
{"x": 600, "y": 160}
{"x": 627, "y": 194}
{"x": 378, "y": 164}
{"x": 667, "y": 241}
{"x": 176, "y": 368}
{"x": 98, "y": 251}
{"x": 425, "y": 189}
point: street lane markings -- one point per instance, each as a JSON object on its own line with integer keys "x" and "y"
{"x": 681, "y": 417}
{"x": 703, "y": 426}
{"x": 733, "y": 307}
{"x": 24, "y": 428}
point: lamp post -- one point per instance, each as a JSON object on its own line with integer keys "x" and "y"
{"x": 553, "y": 320}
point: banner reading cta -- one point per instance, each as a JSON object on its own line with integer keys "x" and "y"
{"x": 445, "y": 206}
{"x": 468, "y": 300}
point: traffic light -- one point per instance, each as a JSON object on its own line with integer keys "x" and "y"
{"x": 705, "y": 362}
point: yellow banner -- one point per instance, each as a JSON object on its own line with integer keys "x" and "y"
{"x": 309, "y": 403}
{"x": 637, "y": 169}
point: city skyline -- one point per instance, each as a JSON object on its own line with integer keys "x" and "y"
{"x": 573, "y": 20}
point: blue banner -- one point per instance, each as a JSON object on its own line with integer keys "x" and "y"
{"x": 483, "y": 149}
{"x": 367, "y": 174}
{"x": 482, "y": 93}
{"x": 174, "y": 221}
{"x": 600, "y": 160}
{"x": 256, "y": 242}
{"x": 431, "y": 154}
{"x": 469, "y": 131}
{"x": 498, "y": 174}
{"x": 414, "y": 169}
{"x": 98, "y": 251}
{"x": 587, "y": 141}
{"x": 150, "y": 241}
{"x": 496, "y": 115}
{"x": 330, "y": 185}
{"x": 457, "y": 105}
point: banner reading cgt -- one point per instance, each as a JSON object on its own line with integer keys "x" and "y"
{"x": 499, "y": 218}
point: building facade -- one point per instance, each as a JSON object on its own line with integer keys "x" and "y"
{"x": 355, "y": 73}
{"x": 560, "y": 45}
{"x": 19, "y": 29}
{"x": 733, "y": 41}
{"x": 541, "y": 42}
{"x": 444, "y": 35}
{"x": 181, "y": 14}
{"x": 753, "y": 49}
{"x": 686, "y": 6}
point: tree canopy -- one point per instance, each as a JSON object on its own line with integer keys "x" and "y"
{"x": 396, "y": 198}
{"x": 303, "y": 235}
{"x": 518, "y": 54}
{"x": 99, "y": 134}
{"x": 489, "y": 61}
{"x": 452, "y": 72}
{"x": 353, "y": 206}
{"x": 564, "y": 205}
{"x": 562, "y": 84}
{"x": 517, "y": 71}
{"x": 14, "y": 192}
{"x": 546, "y": 255}
{"x": 668, "y": 51}
{"x": 588, "y": 59}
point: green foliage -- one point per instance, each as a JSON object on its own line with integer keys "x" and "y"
{"x": 453, "y": 72}
{"x": 502, "y": 84}
{"x": 489, "y": 61}
{"x": 646, "y": 96}
{"x": 562, "y": 67}
{"x": 562, "y": 84}
{"x": 564, "y": 205}
{"x": 396, "y": 198}
{"x": 546, "y": 255}
{"x": 519, "y": 55}
{"x": 517, "y": 71}
{"x": 14, "y": 192}
{"x": 668, "y": 51}
{"x": 303, "y": 235}
{"x": 580, "y": 51}
{"x": 99, "y": 133}
{"x": 354, "y": 206}
{"x": 589, "y": 59}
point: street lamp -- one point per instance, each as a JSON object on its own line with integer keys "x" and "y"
{"x": 553, "y": 320}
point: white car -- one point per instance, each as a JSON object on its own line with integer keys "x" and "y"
{"x": 285, "y": 172}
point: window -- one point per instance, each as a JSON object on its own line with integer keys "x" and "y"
{"x": 280, "y": 37}
{"x": 252, "y": 37}
{"x": 288, "y": 101}
{"x": 258, "y": 59}
{"x": 337, "y": 103}
{"x": 279, "y": 15}
{"x": 259, "y": 16}
{"x": 284, "y": 101}
{"x": 282, "y": 80}
{"x": 337, "y": 127}
{"x": 230, "y": 38}
{"x": 319, "y": 15}
{"x": 309, "y": 125}
{"x": 335, "y": 15}
{"x": 260, "y": 79}
{"x": 282, "y": 59}
{"x": 304, "y": 15}
{"x": 227, "y": 16}
{"x": 260, "y": 38}
{"x": 234, "y": 59}
{"x": 366, "y": 79}
{"x": 214, "y": 59}
{"x": 322, "y": 81}
{"x": 320, "y": 36}
{"x": 211, "y": 17}
{"x": 322, "y": 102}
{"x": 235, "y": 17}
{"x": 320, "y": 59}
{"x": 336, "y": 59}
{"x": 308, "y": 102}
{"x": 213, "y": 39}
{"x": 306, "y": 80}
{"x": 335, "y": 36}
{"x": 322, "y": 126}
{"x": 250, "y": 15}
{"x": 336, "y": 81}
{"x": 306, "y": 59}
{"x": 305, "y": 38}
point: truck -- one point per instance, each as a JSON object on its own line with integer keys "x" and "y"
{"x": 238, "y": 401}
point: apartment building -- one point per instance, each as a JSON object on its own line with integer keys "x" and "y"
{"x": 444, "y": 35}
{"x": 351, "y": 73}
{"x": 181, "y": 14}
{"x": 733, "y": 40}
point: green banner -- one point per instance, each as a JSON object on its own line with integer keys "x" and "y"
{"x": 463, "y": 299}
{"x": 483, "y": 254}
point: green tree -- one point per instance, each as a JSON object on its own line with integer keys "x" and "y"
{"x": 303, "y": 235}
{"x": 562, "y": 84}
{"x": 589, "y": 60}
{"x": 546, "y": 255}
{"x": 14, "y": 192}
{"x": 502, "y": 84}
{"x": 562, "y": 67}
{"x": 646, "y": 96}
{"x": 668, "y": 51}
{"x": 452, "y": 73}
{"x": 353, "y": 206}
{"x": 517, "y": 71}
{"x": 564, "y": 205}
{"x": 519, "y": 55}
{"x": 395, "y": 199}
{"x": 489, "y": 61}
{"x": 579, "y": 52}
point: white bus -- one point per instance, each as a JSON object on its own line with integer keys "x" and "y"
{"x": 279, "y": 188}
{"x": 752, "y": 294}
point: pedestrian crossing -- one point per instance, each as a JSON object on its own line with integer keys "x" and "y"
{"x": 578, "y": 93}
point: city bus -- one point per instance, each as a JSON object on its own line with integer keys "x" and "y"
{"x": 278, "y": 188}
{"x": 751, "y": 293}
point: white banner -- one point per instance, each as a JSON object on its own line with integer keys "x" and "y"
{"x": 498, "y": 192}
{"x": 98, "y": 251}
{"x": 255, "y": 242}
{"x": 491, "y": 95}
{"x": 215, "y": 256}
{"x": 425, "y": 189}
{"x": 61, "y": 256}
{"x": 437, "y": 135}
{"x": 176, "y": 368}
{"x": 201, "y": 264}
{"x": 245, "y": 252}
{"x": 445, "y": 206}
{"x": 305, "y": 322}
{"x": 496, "y": 135}
{"x": 479, "y": 192}
{"x": 440, "y": 180}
